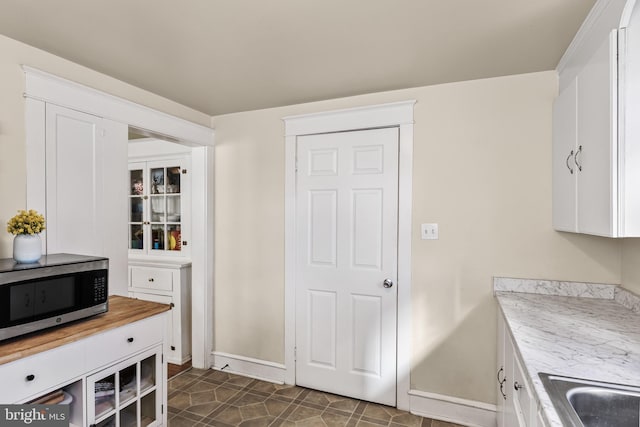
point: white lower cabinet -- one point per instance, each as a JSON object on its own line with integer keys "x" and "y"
{"x": 125, "y": 387}
{"x": 517, "y": 404}
{"x": 167, "y": 282}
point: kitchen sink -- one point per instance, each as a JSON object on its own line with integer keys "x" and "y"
{"x": 593, "y": 404}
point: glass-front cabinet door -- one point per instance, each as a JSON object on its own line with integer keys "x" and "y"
{"x": 158, "y": 197}
{"x": 127, "y": 394}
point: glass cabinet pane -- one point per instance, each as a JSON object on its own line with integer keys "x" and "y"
{"x": 105, "y": 395}
{"x": 157, "y": 181}
{"x": 135, "y": 209}
{"x": 109, "y": 422}
{"x": 136, "y": 180}
{"x": 129, "y": 416}
{"x": 173, "y": 208}
{"x": 147, "y": 373}
{"x": 157, "y": 237}
{"x": 128, "y": 384}
{"x": 157, "y": 209}
{"x": 148, "y": 409}
{"x": 174, "y": 236}
{"x": 173, "y": 180}
{"x": 137, "y": 236}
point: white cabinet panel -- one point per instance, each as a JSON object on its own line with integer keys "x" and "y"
{"x": 85, "y": 188}
{"x": 517, "y": 406}
{"x": 597, "y": 154}
{"x": 171, "y": 285}
{"x": 152, "y": 278}
{"x": 33, "y": 375}
{"x": 564, "y": 169}
{"x": 120, "y": 342}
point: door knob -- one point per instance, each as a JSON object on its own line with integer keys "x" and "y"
{"x": 387, "y": 283}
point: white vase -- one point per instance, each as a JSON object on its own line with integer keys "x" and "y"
{"x": 27, "y": 248}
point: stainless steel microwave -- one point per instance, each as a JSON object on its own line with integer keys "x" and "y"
{"x": 58, "y": 289}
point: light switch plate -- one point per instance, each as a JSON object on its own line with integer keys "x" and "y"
{"x": 429, "y": 231}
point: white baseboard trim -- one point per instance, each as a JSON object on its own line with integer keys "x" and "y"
{"x": 452, "y": 409}
{"x": 249, "y": 367}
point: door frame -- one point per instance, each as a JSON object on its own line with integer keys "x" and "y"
{"x": 42, "y": 87}
{"x": 396, "y": 114}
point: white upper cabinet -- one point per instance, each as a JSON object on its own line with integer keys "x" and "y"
{"x": 158, "y": 220}
{"x": 595, "y": 187}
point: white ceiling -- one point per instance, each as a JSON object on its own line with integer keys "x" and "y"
{"x": 221, "y": 56}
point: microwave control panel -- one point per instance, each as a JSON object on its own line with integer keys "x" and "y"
{"x": 100, "y": 289}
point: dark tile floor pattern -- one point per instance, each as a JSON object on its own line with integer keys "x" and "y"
{"x": 213, "y": 398}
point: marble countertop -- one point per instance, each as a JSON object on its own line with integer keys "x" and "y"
{"x": 593, "y": 337}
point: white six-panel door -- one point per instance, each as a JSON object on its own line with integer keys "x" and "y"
{"x": 346, "y": 239}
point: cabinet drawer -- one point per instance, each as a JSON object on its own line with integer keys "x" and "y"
{"x": 120, "y": 342}
{"x": 152, "y": 278}
{"x": 36, "y": 374}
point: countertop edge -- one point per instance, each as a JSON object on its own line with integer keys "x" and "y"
{"x": 122, "y": 311}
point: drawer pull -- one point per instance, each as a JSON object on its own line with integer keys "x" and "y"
{"x": 30, "y": 377}
{"x": 130, "y": 339}
{"x": 151, "y": 279}
{"x": 517, "y": 386}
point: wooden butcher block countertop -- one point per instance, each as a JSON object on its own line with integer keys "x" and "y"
{"x": 122, "y": 311}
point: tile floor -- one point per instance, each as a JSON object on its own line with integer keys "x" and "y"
{"x": 213, "y": 398}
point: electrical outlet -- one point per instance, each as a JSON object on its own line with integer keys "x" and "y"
{"x": 429, "y": 231}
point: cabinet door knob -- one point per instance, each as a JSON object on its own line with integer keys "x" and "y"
{"x": 30, "y": 377}
{"x": 130, "y": 339}
{"x": 517, "y": 386}
{"x": 151, "y": 279}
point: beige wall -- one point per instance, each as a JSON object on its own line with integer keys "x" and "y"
{"x": 12, "y": 125}
{"x": 631, "y": 265}
{"x": 482, "y": 170}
